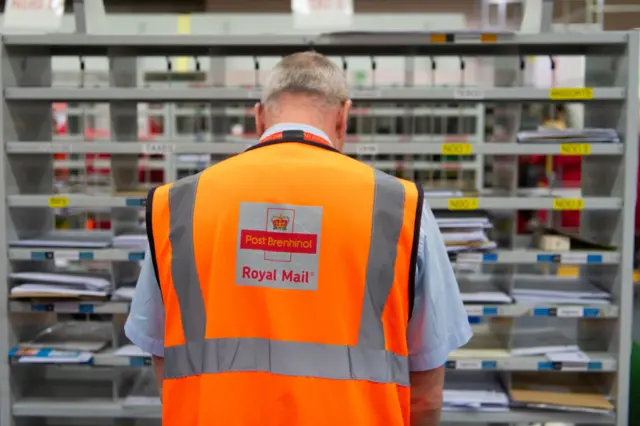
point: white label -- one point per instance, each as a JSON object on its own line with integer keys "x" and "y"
{"x": 366, "y": 94}
{"x": 254, "y": 94}
{"x": 469, "y": 258}
{"x": 33, "y": 14}
{"x": 469, "y": 94}
{"x": 573, "y": 258}
{"x": 474, "y": 311}
{"x": 322, "y": 14}
{"x": 158, "y": 148}
{"x": 61, "y": 354}
{"x": 66, "y": 255}
{"x": 469, "y": 364}
{"x": 63, "y": 148}
{"x": 569, "y": 357}
{"x": 278, "y": 246}
{"x": 574, "y": 367}
{"x": 570, "y": 311}
{"x": 72, "y": 307}
{"x": 366, "y": 148}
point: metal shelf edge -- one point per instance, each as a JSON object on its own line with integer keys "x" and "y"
{"x": 94, "y": 408}
{"x": 369, "y": 94}
{"x": 468, "y": 145}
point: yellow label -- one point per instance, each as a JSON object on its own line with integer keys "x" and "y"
{"x": 463, "y": 204}
{"x": 58, "y": 202}
{"x": 568, "y": 204}
{"x": 488, "y": 38}
{"x": 438, "y": 38}
{"x": 571, "y": 93}
{"x": 457, "y": 149}
{"x": 184, "y": 24}
{"x": 571, "y": 271}
{"x": 636, "y": 276}
{"x": 183, "y": 27}
{"x": 575, "y": 149}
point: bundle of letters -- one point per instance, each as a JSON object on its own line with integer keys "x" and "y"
{"x": 556, "y": 345}
{"x": 463, "y": 233}
{"x": 70, "y": 239}
{"x": 60, "y": 286}
{"x": 530, "y": 289}
{"x": 136, "y": 240}
{"x": 70, "y": 342}
{"x": 550, "y": 135}
{"x": 471, "y": 392}
{"x": 560, "y": 393}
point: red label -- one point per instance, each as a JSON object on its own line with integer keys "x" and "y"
{"x": 278, "y": 241}
{"x": 28, "y": 4}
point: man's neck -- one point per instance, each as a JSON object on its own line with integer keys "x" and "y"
{"x": 331, "y": 134}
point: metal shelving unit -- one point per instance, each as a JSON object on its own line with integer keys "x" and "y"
{"x": 98, "y": 389}
{"x": 193, "y": 127}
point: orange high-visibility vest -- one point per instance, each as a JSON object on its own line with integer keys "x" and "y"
{"x": 287, "y": 278}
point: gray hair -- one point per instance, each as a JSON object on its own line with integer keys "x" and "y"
{"x": 307, "y": 73}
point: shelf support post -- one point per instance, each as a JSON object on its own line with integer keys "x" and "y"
{"x": 615, "y": 177}
{"x": 22, "y": 174}
{"x": 90, "y": 16}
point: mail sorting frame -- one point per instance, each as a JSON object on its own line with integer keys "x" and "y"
{"x": 450, "y": 122}
{"x": 467, "y": 121}
{"x": 26, "y": 80}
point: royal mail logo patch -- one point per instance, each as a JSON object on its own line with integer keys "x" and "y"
{"x": 278, "y": 246}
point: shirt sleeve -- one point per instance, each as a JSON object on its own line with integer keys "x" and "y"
{"x": 145, "y": 324}
{"x": 439, "y": 323}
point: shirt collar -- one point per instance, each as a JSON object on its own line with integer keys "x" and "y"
{"x": 281, "y": 127}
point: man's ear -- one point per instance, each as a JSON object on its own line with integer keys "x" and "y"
{"x": 258, "y": 112}
{"x": 341, "y": 124}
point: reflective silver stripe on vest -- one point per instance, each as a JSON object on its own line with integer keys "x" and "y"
{"x": 182, "y": 198}
{"x": 286, "y": 358}
{"x": 388, "y": 215}
{"x": 368, "y": 360}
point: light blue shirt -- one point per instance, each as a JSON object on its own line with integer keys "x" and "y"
{"x": 439, "y": 323}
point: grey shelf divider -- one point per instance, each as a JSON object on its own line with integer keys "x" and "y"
{"x": 397, "y": 94}
{"x": 30, "y": 393}
{"x": 230, "y": 148}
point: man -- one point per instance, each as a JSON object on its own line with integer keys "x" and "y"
{"x": 297, "y": 286}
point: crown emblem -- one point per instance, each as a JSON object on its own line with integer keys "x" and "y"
{"x": 280, "y": 222}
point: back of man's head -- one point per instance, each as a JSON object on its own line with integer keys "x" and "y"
{"x": 306, "y": 88}
{"x": 310, "y": 74}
